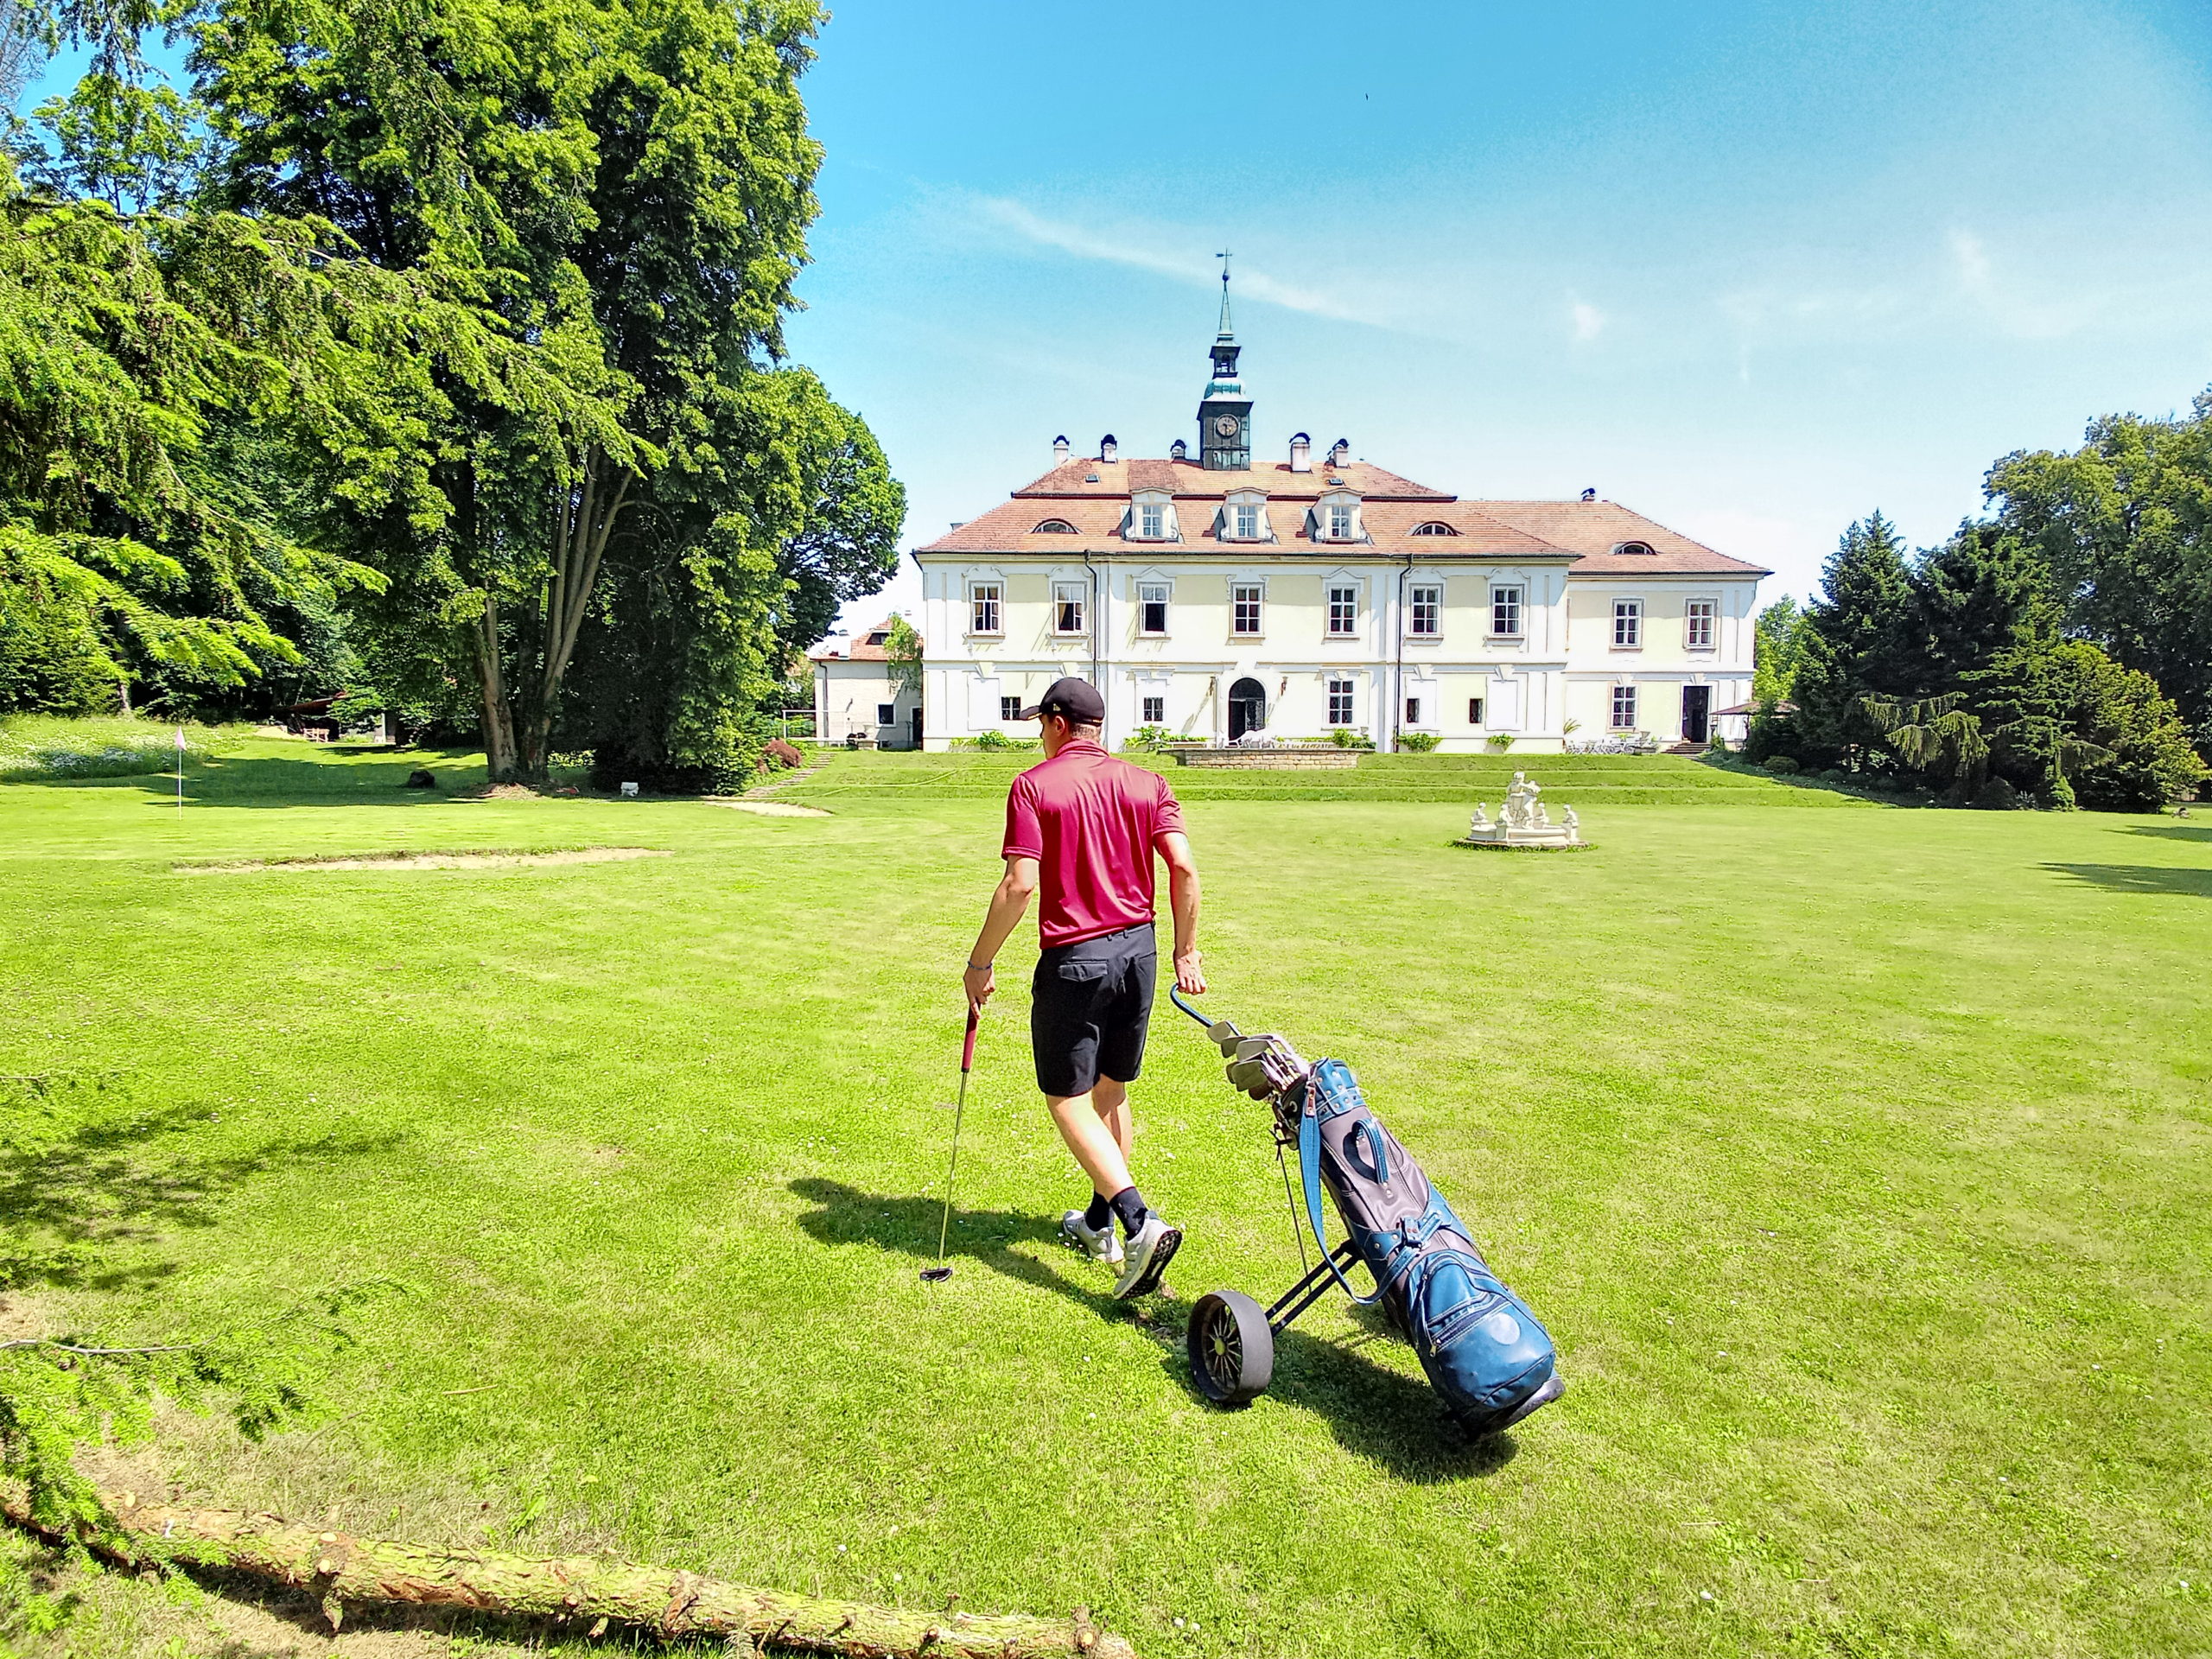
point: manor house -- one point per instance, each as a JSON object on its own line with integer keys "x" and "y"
{"x": 1214, "y": 594}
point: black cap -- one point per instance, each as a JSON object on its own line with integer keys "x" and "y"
{"x": 1075, "y": 701}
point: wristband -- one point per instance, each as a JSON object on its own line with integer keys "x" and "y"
{"x": 979, "y": 967}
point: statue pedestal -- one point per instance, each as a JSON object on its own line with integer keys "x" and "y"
{"x": 1524, "y": 822}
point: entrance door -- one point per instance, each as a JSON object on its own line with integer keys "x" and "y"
{"x": 918, "y": 725}
{"x": 1697, "y": 714}
{"x": 1247, "y": 708}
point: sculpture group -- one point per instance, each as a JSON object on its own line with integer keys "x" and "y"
{"x": 1524, "y": 821}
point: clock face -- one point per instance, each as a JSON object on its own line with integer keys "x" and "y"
{"x": 1225, "y": 425}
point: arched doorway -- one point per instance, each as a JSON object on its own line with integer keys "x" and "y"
{"x": 1247, "y": 708}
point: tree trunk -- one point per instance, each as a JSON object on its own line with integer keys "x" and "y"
{"x": 582, "y": 1591}
{"x": 498, "y": 722}
{"x": 583, "y": 522}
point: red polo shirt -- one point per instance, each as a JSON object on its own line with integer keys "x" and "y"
{"x": 1092, "y": 824}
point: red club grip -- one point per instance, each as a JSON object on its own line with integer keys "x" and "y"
{"x": 968, "y": 1048}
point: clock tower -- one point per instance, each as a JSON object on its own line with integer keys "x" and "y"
{"x": 1224, "y": 412}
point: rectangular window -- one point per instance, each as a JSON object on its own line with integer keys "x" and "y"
{"x": 1155, "y": 711}
{"x": 1244, "y": 522}
{"x": 1152, "y": 607}
{"x": 1428, "y": 619}
{"x": 1339, "y": 702}
{"x": 1152, "y": 521}
{"x": 1067, "y": 607}
{"x": 983, "y": 608}
{"x": 1340, "y": 521}
{"x": 1506, "y": 613}
{"x": 1009, "y": 708}
{"x": 1474, "y": 711}
{"x": 1698, "y": 633}
{"x": 1413, "y": 711}
{"x": 1344, "y": 611}
{"x": 1244, "y": 607}
{"x": 1628, "y": 625}
{"x": 886, "y": 714}
{"x": 1624, "y": 707}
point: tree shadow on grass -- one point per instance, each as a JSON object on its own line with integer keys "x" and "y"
{"x": 2139, "y": 878}
{"x": 1381, "y": 1414}
{"x": 71, "y": 1201}
{"x": 261, "y": 782}
{"x": 2201, "y": 834}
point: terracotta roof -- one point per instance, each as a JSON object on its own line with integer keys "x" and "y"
{"x": 1010, "y": 527}
{"x": 1595, "y": 528}
{"x": 860, "y": 650}
{"x": 1189, "y": 478}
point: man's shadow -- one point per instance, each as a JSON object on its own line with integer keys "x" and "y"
{"x": 1376, "y": 1413}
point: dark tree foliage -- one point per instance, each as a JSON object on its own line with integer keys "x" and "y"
{"x": 2124, "y": 524}
{"x": 1855, "y": 643}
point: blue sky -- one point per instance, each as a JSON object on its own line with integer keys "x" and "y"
{"x": 1754, "y": 269}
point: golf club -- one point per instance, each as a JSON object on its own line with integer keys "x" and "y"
{"x": 940, "y": 1273}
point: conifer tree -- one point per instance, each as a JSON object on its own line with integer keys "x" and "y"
{"x": 1855, "y": 643}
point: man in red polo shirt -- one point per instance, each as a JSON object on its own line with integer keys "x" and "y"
{"x": 1082, "y": 828}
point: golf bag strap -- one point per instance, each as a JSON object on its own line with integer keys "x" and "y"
{"x": 1309, "y": 1165}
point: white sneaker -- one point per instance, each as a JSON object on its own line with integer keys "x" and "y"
{"x": 1150, "y": 1251}
{"x": 1099, "y": 1244}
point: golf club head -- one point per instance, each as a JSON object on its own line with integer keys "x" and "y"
{"x": 936, "y": 1275}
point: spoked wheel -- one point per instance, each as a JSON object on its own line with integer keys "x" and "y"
{"x": 1232, "y": 1347}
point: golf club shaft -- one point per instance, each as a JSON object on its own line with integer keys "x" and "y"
{"x": 959, "y": 1111}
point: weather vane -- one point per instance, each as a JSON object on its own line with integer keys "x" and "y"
{"x": 1224, "y": 256}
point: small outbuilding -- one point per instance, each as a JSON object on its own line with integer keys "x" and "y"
{"x": 857, "y": 697}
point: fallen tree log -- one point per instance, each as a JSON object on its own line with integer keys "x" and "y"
{"x": 343, "y": 1570}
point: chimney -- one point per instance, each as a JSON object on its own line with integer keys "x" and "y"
{"x": 1107, "y": 447}
{"x": 1341, "y": 449}
{"x": 1060, "y": 449}
{"x": 1178, "y": 450}
{"x": 1301, "y": 453}
{"x": 1589, "y": 495}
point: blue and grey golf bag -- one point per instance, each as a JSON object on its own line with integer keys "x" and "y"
{"x": 1485, "y": 1353}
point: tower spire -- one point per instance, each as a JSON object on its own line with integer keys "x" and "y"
{"x": 1224, "y": 412}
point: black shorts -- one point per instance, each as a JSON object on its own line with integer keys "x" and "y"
{"x": 1089, "y": 1004}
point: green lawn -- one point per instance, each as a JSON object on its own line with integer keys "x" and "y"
{"x": 1858, "y": 1160}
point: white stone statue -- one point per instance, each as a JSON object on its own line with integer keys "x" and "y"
{"x": 1523, "y": 821}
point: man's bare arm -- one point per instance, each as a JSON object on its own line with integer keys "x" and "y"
{"x": 1009, "y": 904}
{"x": 1182, "y": 902}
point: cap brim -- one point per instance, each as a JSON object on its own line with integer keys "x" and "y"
{"x": 1031, "y": 713}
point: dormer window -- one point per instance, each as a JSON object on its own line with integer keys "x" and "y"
{"x": 1054, "y": 527}
{"x": 1638, "y": 550}
{"x": 1152, "y": 517}
{"x": 1435, "y": 527}
{"x": 1336, "y": 518}
{"x": 1244, "y": 517}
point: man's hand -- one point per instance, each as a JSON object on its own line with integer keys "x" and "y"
{"x": 1190, "y": 976}
{"x": 979, "y": 984}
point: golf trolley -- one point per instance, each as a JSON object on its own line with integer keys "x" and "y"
{"x": 1484, "y": 1351}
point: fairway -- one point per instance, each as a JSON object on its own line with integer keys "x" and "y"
{"x": 1860, "y": 1160}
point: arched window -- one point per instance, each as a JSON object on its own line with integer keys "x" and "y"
{"x": 1435, "y": 527}
{"x": 1054, "y": 527}
{"x": 1641, "y": 550}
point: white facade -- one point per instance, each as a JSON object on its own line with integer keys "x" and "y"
{"x": 853, "y": 694}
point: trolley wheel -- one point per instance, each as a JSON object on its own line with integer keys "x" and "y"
{"x": 1232, "y": 1347}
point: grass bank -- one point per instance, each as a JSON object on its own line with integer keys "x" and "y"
{"x": 1860, "y": 1161}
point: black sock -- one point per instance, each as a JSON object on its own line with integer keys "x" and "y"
{"x": 1128, "y": 1205}
{"x": 1101, "y": 1213}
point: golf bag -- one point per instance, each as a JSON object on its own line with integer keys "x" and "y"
{"x": 1484, "y": 1351}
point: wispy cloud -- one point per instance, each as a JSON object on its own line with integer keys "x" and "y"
{"x": 1589, "y": 321}
{"x": 1164, "y": 253}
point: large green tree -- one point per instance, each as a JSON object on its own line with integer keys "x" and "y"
{"x": 1854, "y": 643}
{"x": 2124, "y": 524}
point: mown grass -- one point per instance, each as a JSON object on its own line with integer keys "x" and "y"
{"x": 1577, "y": 780}
{"x": 1859, "y": 1161}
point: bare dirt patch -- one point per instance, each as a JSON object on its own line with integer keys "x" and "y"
{"x": 772, "y": 809}
{"x": 483, "y": 860}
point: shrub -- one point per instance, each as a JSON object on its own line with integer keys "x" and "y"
{"x": 1418, "y": 742}
{"x": 1780, "y": 764}
{"x": 1148, "y": 737}
{"x": 1345, "y": 737}
{"x": 1498, "y": 742}
{"x": 1997, "y": 795}
{"x": 994, "y": 743}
